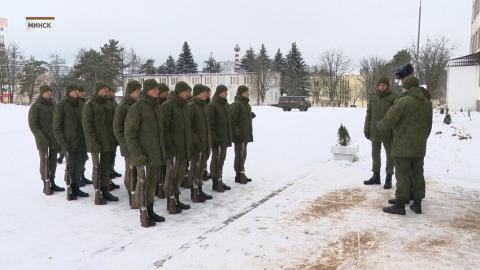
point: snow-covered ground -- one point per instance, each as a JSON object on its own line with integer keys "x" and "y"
{"x": 302, "y": 211}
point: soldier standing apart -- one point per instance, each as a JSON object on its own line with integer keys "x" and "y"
{"x": 82, "y": 100}
{"x": 162, "y": 174}
{"x": 67, "y": 127}
{"x": 411, "y": 120}
{"x": 221, "y": 130}
{"x": 97, "y": 120}
{"x": 378, "y": 106}
{"x": 145, "y": 143}
{"x": 177, "y": 128}
{"x": 131, "y": 94}
{"x": 40, "y": 118}
{"x": 241, "y": 114}
{"x": 201, "y": 142}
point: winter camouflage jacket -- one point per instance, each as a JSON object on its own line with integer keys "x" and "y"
{"x": 97, "y": 121}
{"x": 67, "y": 125}
{"x": 220, "y": 122}
{"x": 201, "y": 137}
{"x": 119, "y": 123}
{"x": 144, "y": 132}
{"x": 411, "y": 120}
{"x": 241, "y": 115}
{"x": 376, "y": 110}
{"x": 40, "y": 118}
{"x": 177, "y": 128}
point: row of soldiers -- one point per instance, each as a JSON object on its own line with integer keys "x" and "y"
{"x": 166, "y": 138}
{"x": 402, "y": 123}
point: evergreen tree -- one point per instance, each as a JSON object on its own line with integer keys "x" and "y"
{"x": 92, "y": 66}
{"x": 296, "y": 73}
{"x": 148, "y": 67}
{"x": 343, "y": 136}
{"x": 185, "y": 62}
{"x": 263, "y": 72}
{"x": 32, "y": 69}
{"x": 247, "y": 63}
{"x": 168, "y": 67}
{"x": 279, "y": 63}
{"x": 113, "y": 54}
{"x": 211, "y": 65}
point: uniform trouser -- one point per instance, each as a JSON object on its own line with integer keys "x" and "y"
{"x": 203, "y": 161}
{"x": 84, "y": 161}
{"x": 52, "y": 164}
{"x": 219, "y": 153}
{"x": 151, "y": 174}
{"x": 240, "y": 157}
{"x": 195, "y": 172}
{"x": 376, "y": 155}
{"x": 409, "y": 174}
{"x": 127, "y": 175}
{"x": 103, "y": 162}
{"x": 114, "y": 156}
{"x": 176, "y": 169}
{"x": 75, "y": 161}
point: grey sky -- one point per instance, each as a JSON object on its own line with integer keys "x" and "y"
{"x": 158, "y": 28}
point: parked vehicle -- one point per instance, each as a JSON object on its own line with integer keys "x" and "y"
{"x": 294, "y": 102}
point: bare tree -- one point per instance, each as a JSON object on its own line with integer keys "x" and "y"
{"x": 58, "y": 69}
{"x": 15, "y": 64}
{"x": 431, "y": 62}
{"x": 336, "y": 64}
{"x": 371, "y": 70}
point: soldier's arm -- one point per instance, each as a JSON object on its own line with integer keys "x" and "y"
{"x": 35, "y": 126}
{"x": 167, "y": 126}
{"x": 88, "y": 124}
{"x": 234, "y": 116}
{"x": 213, "y": 122}
{"x": 368, "y": 117}
{"x": 133, "y": 123}
{"x": 392, "y": 117}
{"x": 118, "y": 125}
{"x": 58, "y": 120}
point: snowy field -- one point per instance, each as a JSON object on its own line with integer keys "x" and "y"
{"x": 302, "y": 211}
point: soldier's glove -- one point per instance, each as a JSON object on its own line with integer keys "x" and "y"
{"x": 367, "y": 135}
{"x": 253, "y": 115}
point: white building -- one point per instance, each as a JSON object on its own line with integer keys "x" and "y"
{"x": 231, "y": 80}
{"x": 463, "y": 83}
{"x": 3, "y": 31}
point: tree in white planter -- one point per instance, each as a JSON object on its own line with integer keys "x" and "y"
{"x": 343, "y": 136}
{"x": 342, "y": 151}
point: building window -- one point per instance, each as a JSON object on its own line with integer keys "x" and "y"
{"x": 173, "y": 80}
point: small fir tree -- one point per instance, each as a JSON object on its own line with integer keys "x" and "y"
{"x": 343, "y": 136}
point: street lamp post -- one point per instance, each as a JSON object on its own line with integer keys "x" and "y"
{"x": 418, "y": 33}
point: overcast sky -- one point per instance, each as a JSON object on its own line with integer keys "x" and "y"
{"x": 158, "y": 28}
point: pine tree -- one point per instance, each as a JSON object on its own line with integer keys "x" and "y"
{"x": 296, "y": 73}
{"x": 113, "y": 54}
{"x": 262, "y": 69}
{"x": 343, "y": 136}
{"x": 247, "y": 63}
{"x": 211, "y": 65}
{"x": 148, "y": 67}
{"x": 279, "y": 64}
{"x": 186, "y": 63}
{"x": 168, "y": 67}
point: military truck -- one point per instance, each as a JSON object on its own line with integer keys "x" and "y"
{"x": 288, "y": 103}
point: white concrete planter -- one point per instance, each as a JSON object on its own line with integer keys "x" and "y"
{"x": 344, "y": 152}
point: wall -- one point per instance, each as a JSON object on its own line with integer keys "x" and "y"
{"x": 463, "y": 89}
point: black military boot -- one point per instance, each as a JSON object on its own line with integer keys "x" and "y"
{"x": 217, "y": 186}
{"x": 55, "y": 187}
{"x": 85, "y": 180}
{"x": 205, "y": 175}
{"x": 394, "y": 201}
{"x": 180, "y": 204}
{"x": 146, "y": 221}
{"x": 416, "y": 206}
{"x": 374, "y": 180}
{"x": 203, "y": 194}
{"x": 60, "y": 158}
{"x": 388, "y": 182}
{"x": 114, "y": 186}
{"x": 78, "y": 192}
{"x": 116, "y": 174}
{"x": 225, "y": 187}
{"x": 153, "y": 215}
{"x": 396, "y": 209}
{"x": 240, "y": 178}
{"x": 108, "y": 196}
{"x": 178, "y": 210}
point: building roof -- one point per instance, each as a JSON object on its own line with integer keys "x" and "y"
{"x": 464, "y": 61}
